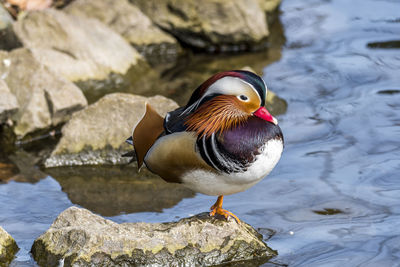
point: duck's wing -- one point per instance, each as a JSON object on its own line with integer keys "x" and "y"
{"x": 150, "y": 128}
{"x": 146, "y": 132}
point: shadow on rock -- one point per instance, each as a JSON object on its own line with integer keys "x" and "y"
{"x": 137, "y": 80}
{"x": 110, "y": 191}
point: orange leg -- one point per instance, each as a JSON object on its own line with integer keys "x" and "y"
{"x": 217, "y": 209}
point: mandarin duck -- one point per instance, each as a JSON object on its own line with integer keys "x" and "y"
{"x": 222, "y": 142}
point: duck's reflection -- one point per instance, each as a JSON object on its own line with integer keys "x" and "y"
{"x": 110, "y": 191}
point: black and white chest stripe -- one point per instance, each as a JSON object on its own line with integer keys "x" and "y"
{"x": 237, "y": 149}
{"x": 213, "y": 152}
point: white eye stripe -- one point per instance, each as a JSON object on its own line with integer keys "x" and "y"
{"x": 226, "y": 85}
{"x": 254, "y": 89}
{"x": 229, "y": 85}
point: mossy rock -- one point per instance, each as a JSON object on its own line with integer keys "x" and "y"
{"x": 96, "y": 135}
{"x": 8, "y": 248}
{"x": 80, "y": 238}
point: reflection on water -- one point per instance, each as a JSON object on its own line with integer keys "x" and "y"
{"x": 387, "y": 44}
{"x": 20, "y": 167}
{"x": 389, "y": 92}
{"x": 110, "y": 191}
{"x": 333, "y": 199}
{"x": 7, "y": 170}
{"x": 27, "y": 210}
{"x": 328, "y": 211}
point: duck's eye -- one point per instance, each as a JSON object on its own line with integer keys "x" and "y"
{"x": 243, "y": 97}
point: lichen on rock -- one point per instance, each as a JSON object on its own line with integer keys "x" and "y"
{"x": 269, "y": 6}
{"x": 79, "y": 238}
{"x": 8, "y": 247}
{"x": 97, "y": 134}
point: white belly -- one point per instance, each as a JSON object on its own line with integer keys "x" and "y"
{"x": 210, "y": 183}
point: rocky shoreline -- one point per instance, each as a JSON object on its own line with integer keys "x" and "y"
{"x": 74, "y": 78}
{"x": 45, "y": 54}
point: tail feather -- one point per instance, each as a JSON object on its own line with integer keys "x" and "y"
{"x": 145, "y": 133}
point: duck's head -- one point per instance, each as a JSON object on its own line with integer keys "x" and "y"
{"x": 226, "y": 100}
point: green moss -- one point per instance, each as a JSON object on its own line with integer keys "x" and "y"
{"x": 8, "y": 249}
{"x": 85, "y": 239}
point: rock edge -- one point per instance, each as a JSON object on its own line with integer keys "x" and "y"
{"x": 80, "y": 238}
{"x": 8, "y": 247}
{"x": 96, "y": 135}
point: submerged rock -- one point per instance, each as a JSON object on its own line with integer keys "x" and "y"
{"x": 8, "y": 247}
{"x": 79, "y": 238}
{"x": 97, "y": 134}
{"x": 210, "y": 25}
{"x": 8, "y": 103}
{"x": 76, "y": 47}
{"x": 127, "y": 20}
{"x": 44, "y": 98}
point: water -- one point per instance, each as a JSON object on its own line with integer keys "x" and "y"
{"x": 333, "y": 199}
